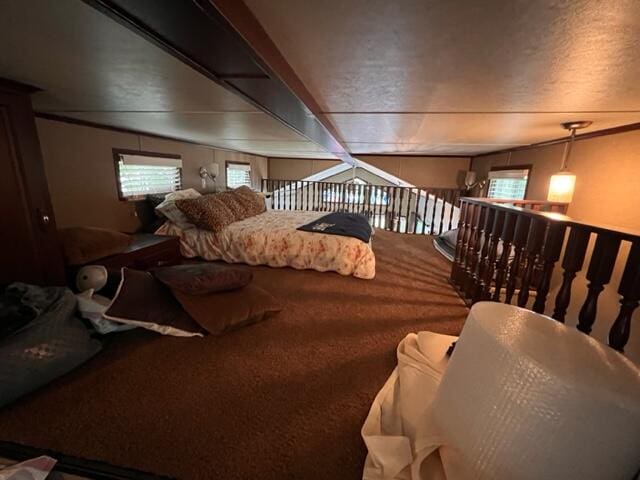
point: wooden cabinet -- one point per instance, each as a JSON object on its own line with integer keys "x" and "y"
{"x": 29, "y": 249}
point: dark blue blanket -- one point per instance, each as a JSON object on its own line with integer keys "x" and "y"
{"x": 345, "y": 224}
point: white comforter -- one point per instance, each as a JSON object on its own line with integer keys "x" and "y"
{"x": 272, "y": 238}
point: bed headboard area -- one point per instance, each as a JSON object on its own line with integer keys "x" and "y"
{"x": 81, "y": 176}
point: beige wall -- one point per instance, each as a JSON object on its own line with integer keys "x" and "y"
{"x": 297, "y": 168}
{"x": 447, "y": 172}
{"x": 81, "y": 174}
{"x": 607, "y": 172}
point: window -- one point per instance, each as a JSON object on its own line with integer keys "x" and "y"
{"x": 140, "y": 173}
{"x": 508, "y": 184}
{"x": 238, "y": 175}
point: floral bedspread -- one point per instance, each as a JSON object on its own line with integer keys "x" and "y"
{"x": 271, "y": 239}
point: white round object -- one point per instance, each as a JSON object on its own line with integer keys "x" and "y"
{"x": 91, "y": 277}
{"x": 525, "y": 397}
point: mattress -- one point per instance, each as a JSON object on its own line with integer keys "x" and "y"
{"x": 272, "y": 239}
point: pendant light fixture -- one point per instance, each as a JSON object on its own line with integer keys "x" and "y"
{"x": 562, "y": 184}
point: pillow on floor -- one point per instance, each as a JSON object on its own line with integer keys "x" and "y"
{"x": 81, "y": 245}
{"x": 221, "y": 312}
{"x": 145, "y": 302}
{"x": 200, "y": 278}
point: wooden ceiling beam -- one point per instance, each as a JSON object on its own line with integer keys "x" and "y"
{"x": 223, "y": 41}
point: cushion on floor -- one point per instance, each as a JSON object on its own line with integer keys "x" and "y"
{"x": 145, "y": 302}
{"x": 221, "y": 312}
{"x": 200, "y": 278}
{"x": 81, "y": 245}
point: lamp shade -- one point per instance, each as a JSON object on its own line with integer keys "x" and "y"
{"x": 213, "y": 169}
{"x": 561, "y": 187}
{"x": 470, "y": 178}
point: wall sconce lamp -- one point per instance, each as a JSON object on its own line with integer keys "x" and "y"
{"x": 471, "y": 181}
{"x": 563, "y": 184}
{"x": 208, "y": 173}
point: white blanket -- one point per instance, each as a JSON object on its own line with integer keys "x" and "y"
{"x": 272, "y": 238}
{"x": 398, "y": 432}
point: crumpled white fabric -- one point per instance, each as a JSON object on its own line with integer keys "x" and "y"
{"x": 33, "y": 469}
{"x": 92, "y": 307}
{"x": 398, "y": 433}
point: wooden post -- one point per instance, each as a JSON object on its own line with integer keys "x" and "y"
{"x": 478, "y": 275}
{"x": 520, "y": 237}
{"x": 433, "y": 211}
{"x": 603, "y": 260}
{"x": 472, "y": 254}
{"x": 445, "y": 196}
{"x": 571, "y": 263}
{"x": 630, "y": 291}
{"x": 532, "y": 249}
{"x": 550, "y": 255}
{"x": 502, "y": 265}
{"x": 458, "y": 256}
{"x": 494, "y": 240}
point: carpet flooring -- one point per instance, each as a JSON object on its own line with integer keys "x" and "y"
{"x": 283, "y": 399}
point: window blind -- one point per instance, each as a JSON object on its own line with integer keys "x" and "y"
{"x": 140, "y": 175}
{"x": 238, "y": 175}
{"x": 508, "y": 184}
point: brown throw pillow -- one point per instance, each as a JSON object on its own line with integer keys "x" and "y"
{"x": 221, "y": 312}
{"x": 199, "y": 278}
{"x": 81, "y": 245}
{"x": 208, "y": 212}
{"x": 145, "y": 302}
{"x": 251, "y": 201}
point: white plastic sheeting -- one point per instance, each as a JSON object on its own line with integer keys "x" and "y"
{"x": 523, "y": 397}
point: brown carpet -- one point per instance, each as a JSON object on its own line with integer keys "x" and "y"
{"x": 282, "y": 399}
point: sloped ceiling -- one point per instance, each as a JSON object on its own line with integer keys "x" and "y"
{"x": 92, "y": 68}
{"x": 460, "y": 77}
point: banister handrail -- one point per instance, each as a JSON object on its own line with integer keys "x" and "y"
{"x": 403, "y": 209}
{"x": 532, "y": 241}
{"x": 623, "y": 232}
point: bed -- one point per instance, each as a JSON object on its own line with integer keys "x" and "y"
{"x": 271, "y": 238}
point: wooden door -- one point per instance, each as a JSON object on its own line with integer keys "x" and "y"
{"x": 29, "y": 250}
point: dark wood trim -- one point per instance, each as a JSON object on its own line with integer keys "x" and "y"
{"x": 499, "y": 168}
{"x": 199, "y": 35}
{"x": 247, "y": 25}
{"x": 116, "y": 163}
{"x": 94, "y": 469}
{"x": 583, "y": 136}
{"x": 408, "y": 154}
{"x": 144, "y": 153}
{"x": 12, "y": 86}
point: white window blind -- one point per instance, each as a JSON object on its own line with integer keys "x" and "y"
{"x": 508, "y": 184}
{"x": 140, "y": 175}
{"x": 238, "y": 174}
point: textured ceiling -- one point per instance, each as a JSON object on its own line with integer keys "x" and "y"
{"x": 461, "y": 76}
{"x": 92, "y": 68}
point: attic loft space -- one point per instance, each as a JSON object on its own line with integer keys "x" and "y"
{"x": 319, "y": 240}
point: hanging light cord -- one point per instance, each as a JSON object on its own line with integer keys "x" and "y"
{"x": 567, "y": 150}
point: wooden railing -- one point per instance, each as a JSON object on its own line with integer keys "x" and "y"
{"x": 504, "y": 251}
{"x": 417, "y": 210}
